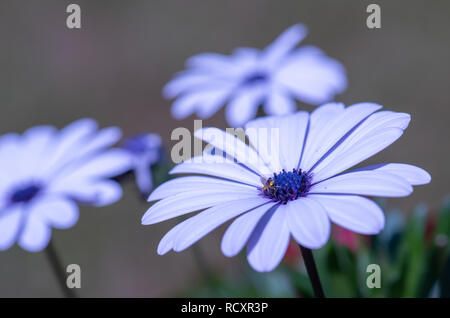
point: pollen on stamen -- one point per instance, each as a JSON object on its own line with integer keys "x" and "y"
{"x": 287, "y": 185}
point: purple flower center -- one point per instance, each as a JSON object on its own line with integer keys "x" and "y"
{"x": 25, "y": 194}
{"x": 255, "y": 77}
{"x": 287, "y": 185}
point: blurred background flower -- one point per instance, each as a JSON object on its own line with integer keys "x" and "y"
{"x": 145, "y": 150}
{"x": 44, "y": 173}
{"x": 273, "y": 77}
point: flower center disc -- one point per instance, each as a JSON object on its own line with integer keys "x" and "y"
{"x": 254, "y": 78}
{"x": 25, "y": 194}
{"x": 287, "y": 186}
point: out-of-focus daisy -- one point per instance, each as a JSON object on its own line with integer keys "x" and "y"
{"x": 145, "y": 151}
{"x": 45, "y": 172}
{"x": 274, "y": 77}
{"x": 295, "y": 188}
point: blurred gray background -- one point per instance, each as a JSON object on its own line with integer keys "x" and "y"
{"x": 114, "y": 68}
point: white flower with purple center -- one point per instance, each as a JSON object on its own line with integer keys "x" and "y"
{"x": 274, "y": 77}
{"x": 44, "y": 173}
{"x": 145, "y": 151}
{"x": 292, "y": 182}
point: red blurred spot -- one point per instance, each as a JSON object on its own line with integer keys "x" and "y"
{"x": 346, "y": 238}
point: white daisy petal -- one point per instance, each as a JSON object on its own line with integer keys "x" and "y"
{"x": 184, "y": 106}
{"x": 36, "y": 232}
{"x": 284, "y": 44}
{"x": 243, "y": 106}
{"x": 110, "y": 163}
{"x": 308, "y": 222}
{"x": 104, "y": 138}
{"x": 185, "y": 184}
{"x": 372, "y": 183}
{"x": 311, "y": 76}
{"x": 269, "y": 241}
{"x": 290, "y": 136}
{"x": 375, "y": 124}
{"x": 68, "y": 139}
{"x": 58, "y": 212}
{"x": 357, "y": 153}
{"x": 167, "y": 242}
{"x": 191, "y": 201}
{"x": 264, "y": 135}
{"x": 185, "y": 81}
{"x": 293, "y": 129}
{"x": 203, "y": 102}
{"x": 210, "y": 61}
{"x": 246, "y": 55}
{"x": 15, "y": 152}
{"x": 227, "y": 170}
{"x": 10, "y": 220}
{"x": 412, "y": 174}
{"x": 233, "y": 147}
{"x": 201, "y": 224}
{"x": 238, "y": 233}
{"x": 321, "y": 117}
{"x": 279, "y": 102}
{"x": 355, "y": 213}
{"x": 90, "y": 147}
{"x": 333, "y": 131}
{"x": 10, "y": 150}
{"x": 94, "y": 192}
{"x": 35, "y": 143}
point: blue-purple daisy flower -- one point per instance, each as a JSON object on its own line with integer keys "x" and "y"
{"x": 274, "y": 77}
{"x": 145, "y": 151}
{"x": 44, "y": 173}
{"x": 293, "y": 182}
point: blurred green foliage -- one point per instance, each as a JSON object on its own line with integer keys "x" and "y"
{"x": 412, "y": 252}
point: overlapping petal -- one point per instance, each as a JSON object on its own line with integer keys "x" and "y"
{"x": 412, "y": 174}
{"x": 355, "y": 213}
{"x": 269, "y": 241}
{"x": 224, "y": 168}
{"x": 369, "y": 183}
{"x": 191, "y": 201}
{"x": 186, "y": 184}
{"x": 311, "y": 76}
{"x": 308, "y": 222}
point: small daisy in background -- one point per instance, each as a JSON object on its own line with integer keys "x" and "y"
{"x": 45, "y": 173}
{"x": 295, "y": 188}
{"x": 145, "y": 150}
{"x": 274, "y": 77}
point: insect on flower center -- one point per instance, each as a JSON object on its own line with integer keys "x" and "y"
{"x": 25, "y": 194}
{"x": 287, "y": 185}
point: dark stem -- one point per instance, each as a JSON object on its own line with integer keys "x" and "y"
{"x": 311, "y": 269}
{"x": 58, "y": 270}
